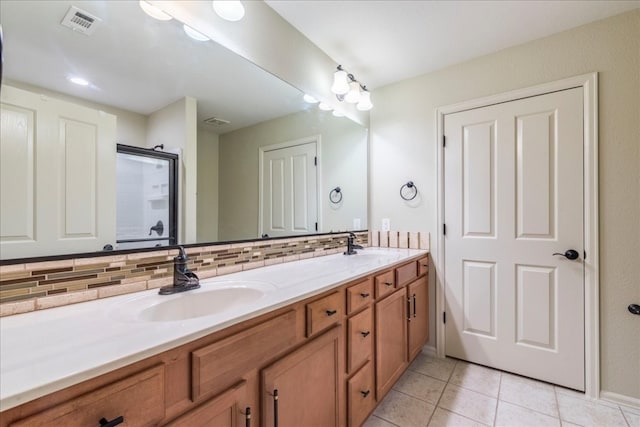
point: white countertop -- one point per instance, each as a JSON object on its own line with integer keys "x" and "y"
{"x": 48, "y": 350}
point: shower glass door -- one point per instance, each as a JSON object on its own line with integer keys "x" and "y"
{"x": 146, "y": 198}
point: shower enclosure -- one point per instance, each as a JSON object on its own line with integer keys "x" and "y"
{"x": 147, "y": 182}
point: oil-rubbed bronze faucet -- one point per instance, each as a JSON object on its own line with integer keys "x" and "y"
{"x": 350, "y": 246}
{"x": 183, "y": 278}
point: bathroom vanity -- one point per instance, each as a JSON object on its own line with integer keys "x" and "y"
{"x": 317, "y": 342}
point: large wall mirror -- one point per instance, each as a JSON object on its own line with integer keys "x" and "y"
{"x": 79, "y": 77}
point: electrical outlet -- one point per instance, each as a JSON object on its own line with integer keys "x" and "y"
{"x": 356, "y": 224}
{"x": 386, "y": 224}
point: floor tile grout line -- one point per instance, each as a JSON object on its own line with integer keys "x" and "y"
{"x": 495, "y": 414}
{"x": 385, "y": 420}
{"x": 623, "y": 416}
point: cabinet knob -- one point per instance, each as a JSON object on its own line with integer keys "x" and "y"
{"x": 114, "y": 422}
{"x": 365, "y": 393}
{"x": 388, "y": 283}
{"x": 364, "y": 295}
{"x": 331, "y": 312}
{"x": 365, "y": 333}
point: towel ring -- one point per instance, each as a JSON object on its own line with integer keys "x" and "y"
{"x": 411, "y": 193}
{"x": 335, "y": 195}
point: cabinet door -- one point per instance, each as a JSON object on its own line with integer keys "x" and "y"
{"x": 303, "y": 388}
{"x": 391, "y": 342}
{"x": 229, "y": 409}
{"x": 418, "y": 316}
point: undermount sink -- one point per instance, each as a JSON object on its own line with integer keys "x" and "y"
{"x": 214, "y": 298}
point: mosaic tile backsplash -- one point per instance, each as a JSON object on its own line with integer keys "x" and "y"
{"x": 46, "y": 284}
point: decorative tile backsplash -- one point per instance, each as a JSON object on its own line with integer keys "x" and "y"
{"x": 46, "y": 284}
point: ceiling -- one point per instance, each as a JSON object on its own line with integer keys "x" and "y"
{"x": 386, "y": 41}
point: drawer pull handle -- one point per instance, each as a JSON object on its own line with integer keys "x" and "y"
{"x": 247, "y": 417}
{"x": 408, "y": 309}
{"x": 365, "y": 393}
{"x": 331, "y": 312}
{"x": 114, "y": 422}
{"x": 275, "y": 408}
{"x": 365, "y": 333}
{"x": 388, "y": 283}
{"x": 414, "y": 305}
{"x": 364, "y": 295}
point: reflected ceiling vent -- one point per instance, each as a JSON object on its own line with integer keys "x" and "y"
{"x": 80, "y": 21}
{"x": 215, "y": 121}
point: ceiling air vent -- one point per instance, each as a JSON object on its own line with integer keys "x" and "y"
{"x": 214, "y": 121}
{"x": 80, "y": 21}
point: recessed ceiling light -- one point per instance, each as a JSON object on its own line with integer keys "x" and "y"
{"x": 324, "y": 107}
{"x": 154, "y": 12}
{"x": 231, "y": 10}
{"x": 196, "y": 35}
{"x": 310, "y": 99}
{"x": 78, "y": 80}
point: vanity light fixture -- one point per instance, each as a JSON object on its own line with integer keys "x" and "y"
{"x": 154, "y": 11}
{"x": 347, "y": 88}
{"x": 196, "y": 35}
{"x": 230, "y": 10}
{"x": 310, "y": 99}
{"x": 324, "y": 107}
{"x": 78, "y": 80}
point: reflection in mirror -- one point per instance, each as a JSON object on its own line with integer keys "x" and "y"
{"x": 238, "y": 132}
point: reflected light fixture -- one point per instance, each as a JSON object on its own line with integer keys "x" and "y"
{"x": 347, "y": 88}
{"x": 154, "y": 12}
{"x": 196, "y": 35}
{"x": 230, "y": 10}
{"x": 324, "y": 107}
{"x": 310, "y": 99}
{"x": 78, "y": 80}
{"x": 337, "y": 113}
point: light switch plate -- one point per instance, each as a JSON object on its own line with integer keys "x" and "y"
{"x": 356, "y": 224}
{"x": 386, "y": 224}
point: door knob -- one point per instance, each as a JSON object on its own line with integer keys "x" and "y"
{"x": 569, "y": 254}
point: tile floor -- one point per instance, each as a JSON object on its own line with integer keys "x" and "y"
{"x": 448, "y": 392}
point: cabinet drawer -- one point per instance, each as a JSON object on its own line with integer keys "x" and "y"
{"x": 359, "y": 295}
{"x": 360, "y": 339}
{"x": 324, "y": 312}
{"x": 226, "y": 409}
{"x": 423, "y": 266}
{"x": 406, "y": 273}
{"x": 385, "y": 283}
{"x": 139, "y": 399}
{"x": 218, "y": 366}
{"x": 360, "y": 395}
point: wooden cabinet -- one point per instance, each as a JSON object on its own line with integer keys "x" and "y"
{"x": 324, "y": 312}
{"x": 229, "y": 409}
{"x": 137, "y": 399}
{"x": 406, "y": 273}
{"x": 304, "y": 387}
{"x": 391, "y": 341}
{"x": 360, "y": 395}
{"x": 418, "y": 295}
{"x": 359, "y": 295}
{"x": 385, "y": 283}
{"x": 359, "y": 339}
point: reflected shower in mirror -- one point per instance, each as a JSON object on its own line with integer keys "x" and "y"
{"x": 70, "y": 96}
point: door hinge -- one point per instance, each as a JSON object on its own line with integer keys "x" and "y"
{"x": 444, "y": 141}
{"x": 316, "y": 226}
{"x": 585, "y": 255}
{"x": 444, "y": 317}
{"x": 444, "y": 229}
{"x": 315, "y": 161}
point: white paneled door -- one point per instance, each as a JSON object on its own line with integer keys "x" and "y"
{"x": 289, "y": 202}
{"x": 513, "y": 208}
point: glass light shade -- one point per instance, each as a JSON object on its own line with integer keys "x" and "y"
{"x": 324, "y": 107}
{"x": 353, "y": 95}
{"x": 337, "y": 113}
{"x": 340, "y": 83}
{"x": 196, "y": 35}
{"x": 231, "y": 10}
{"x": 310, "y": 99}
{"x": 154, "y": 12}
{"x": 365, "y": 101}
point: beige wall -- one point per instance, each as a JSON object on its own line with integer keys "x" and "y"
{"x": 208, "y": 155}
{"x": 403, "y": 147}
{"x": 343, "y": 161}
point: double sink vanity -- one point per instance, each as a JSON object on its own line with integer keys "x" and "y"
{"x": 316, "y": 342}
